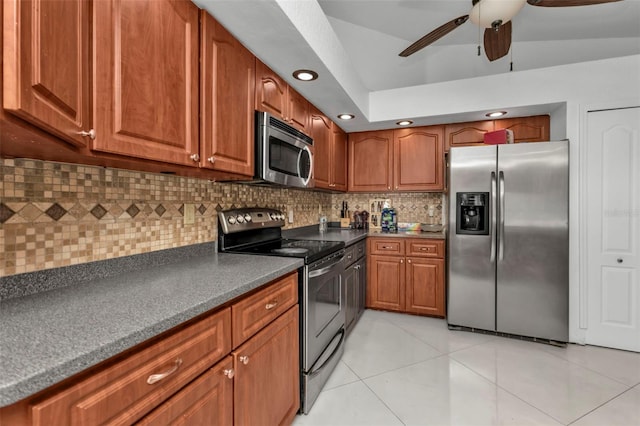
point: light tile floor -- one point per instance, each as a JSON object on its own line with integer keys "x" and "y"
{"x": 408, "y": 370}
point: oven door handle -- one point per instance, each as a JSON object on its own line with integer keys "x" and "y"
{"x": 315, "y": 371}
{"x": 326, "y": 269}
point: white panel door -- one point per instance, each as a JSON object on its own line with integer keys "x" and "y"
{"x": 613, "y": 236}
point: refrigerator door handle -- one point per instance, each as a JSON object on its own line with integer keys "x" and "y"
{"x": 494, "y": 217}
{"x": 502, "y": 209}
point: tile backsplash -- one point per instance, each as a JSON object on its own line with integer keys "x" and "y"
{"x": 58, "y": 214}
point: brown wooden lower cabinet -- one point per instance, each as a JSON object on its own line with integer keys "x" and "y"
{"x": 208, "y": 400}
{"x": 267, "y": 381}
{"x": 192, "y": 375}
{"x": 411, "y": 283}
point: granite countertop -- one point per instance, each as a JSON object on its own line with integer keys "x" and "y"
{"x": 351, "y": 236}
{"x": 49, "y": 336}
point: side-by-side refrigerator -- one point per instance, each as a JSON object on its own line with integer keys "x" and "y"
{"x": 509, "y": 239}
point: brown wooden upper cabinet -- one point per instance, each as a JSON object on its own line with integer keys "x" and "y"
{"x": 371, "y": 161}
{"x": 227, "y": 86}
{"x": 466, "y": 134}
{"x": 46, "y": 66}
{"x": 418, "y": 159}
{"x": 330, "y": 153}
{"x": 339, "y": 152}
{"x": 146, "y": 79}
{"x": 527, "y": 129}
{"x": 275, "y": 96}
{"x": 397, "y": 160}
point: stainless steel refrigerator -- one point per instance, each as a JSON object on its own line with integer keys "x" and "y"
{"x": 509, "y": 239}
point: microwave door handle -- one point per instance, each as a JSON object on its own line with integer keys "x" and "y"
{"x": 305, "y": 181}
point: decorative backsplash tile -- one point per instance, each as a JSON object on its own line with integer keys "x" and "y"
{"x": 410, "y": 206}
{"x": 57, "y": 214}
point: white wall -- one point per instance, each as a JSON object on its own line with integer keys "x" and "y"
{"x": 569, "y": 90}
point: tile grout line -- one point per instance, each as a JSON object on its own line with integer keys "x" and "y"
{"x": 601, "y": 405}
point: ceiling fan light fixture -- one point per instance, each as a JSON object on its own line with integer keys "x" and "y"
{"x": 305, "y": 75}
{"x": 486, "y": 12}
{"x": 495, "y": 114}
{"x": 346, "y": 116}
{"x": 404, "y": 122}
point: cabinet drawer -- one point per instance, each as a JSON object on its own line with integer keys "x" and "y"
{"x": 253, "y": 313}
{"x": 425, "y": 248}
{"x": 386, "y": 246}
{"x": 350, "y": 256}
{"x": 123, "y": 392}
{"x": 360, "y": 249}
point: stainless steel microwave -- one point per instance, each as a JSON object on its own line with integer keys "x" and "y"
{"x": 283, "y": 153}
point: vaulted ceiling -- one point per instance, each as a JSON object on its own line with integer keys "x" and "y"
{"x": 354, "y": 44}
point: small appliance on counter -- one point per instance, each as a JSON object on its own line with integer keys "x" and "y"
{"x": 388, "y": 220}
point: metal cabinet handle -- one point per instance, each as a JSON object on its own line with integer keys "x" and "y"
{"x": 386, "y": 247}
{"x": 401, "y": 260}
{"x": 271, "y": 305}
{"x": 229, "y": 373}
{"x": 408, "y": 260}
{"x": 195, "y": 157}
{"x": 620, "y": 260}
{"x": 423, "y": 249}
{"x": 91, "y": 133}
{"x": 211, "y": 159}
{"x": 244, "y": 359}
{"x": 154, "y": 378}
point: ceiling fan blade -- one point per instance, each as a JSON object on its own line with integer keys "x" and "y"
{"x": 566, "y": 3}
{"x": 497, "y": 43}
{"x": 434, "y": 35}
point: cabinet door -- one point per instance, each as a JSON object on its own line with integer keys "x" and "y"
{"x": 371, "y": 161}
{"x": 425, "y": 286}
{"x": 350, "y": 286}
{"x": 208, "y": 400}
{"x": 386, "y": 289}
{"x": 46, "y": 65}
{"x": 322, "y": 133}
{"x": 271, "y": 91}
{"x": 146, "y": 79}
{"x": 267, "y": 381}
{"x": 227, "y": 83}
{"x": 418, "y": 159}
{"x": 527, "y": 129}
{"x": 339, "y": 159}
{"x": 298, "y": 110}
{"x": 466, "y": 134}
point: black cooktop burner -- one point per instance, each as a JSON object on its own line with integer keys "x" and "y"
{"x": 308, "y": 250}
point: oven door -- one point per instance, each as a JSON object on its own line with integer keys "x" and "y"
{"x": 324, "y": 307}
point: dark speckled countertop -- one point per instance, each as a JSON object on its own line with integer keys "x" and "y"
{"x": 49, "y": 336}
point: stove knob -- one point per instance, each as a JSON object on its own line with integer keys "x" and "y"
{"x": 247, "y": 217}
{"x": 272, "y": 216}
{"x": 280, "y": 216}
{"x": 240, "y": 218}
{"x": 231, "y": 220}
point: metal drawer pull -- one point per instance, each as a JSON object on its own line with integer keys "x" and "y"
{"x": 424, "y": 248}
{"x": 271, "y": 305}
{"x": 244, "y": 359}
{"x": 229, "y": 373}
{"x": 387, "y": 247}
{"x": 154, "y": 378}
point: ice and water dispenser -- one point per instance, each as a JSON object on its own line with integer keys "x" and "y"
{"x": 472, "y": 210}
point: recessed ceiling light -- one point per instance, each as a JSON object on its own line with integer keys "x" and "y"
{"x": 495, "y": 114}
{"x": 305, "y": 75}
{"x": 346, "y": 116}
{"x": 404, "y": 122}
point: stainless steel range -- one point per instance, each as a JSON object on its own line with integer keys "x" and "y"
{"x": 258, "y": 231}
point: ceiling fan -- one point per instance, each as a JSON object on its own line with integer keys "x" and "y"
{"x": 495, "y": 16}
